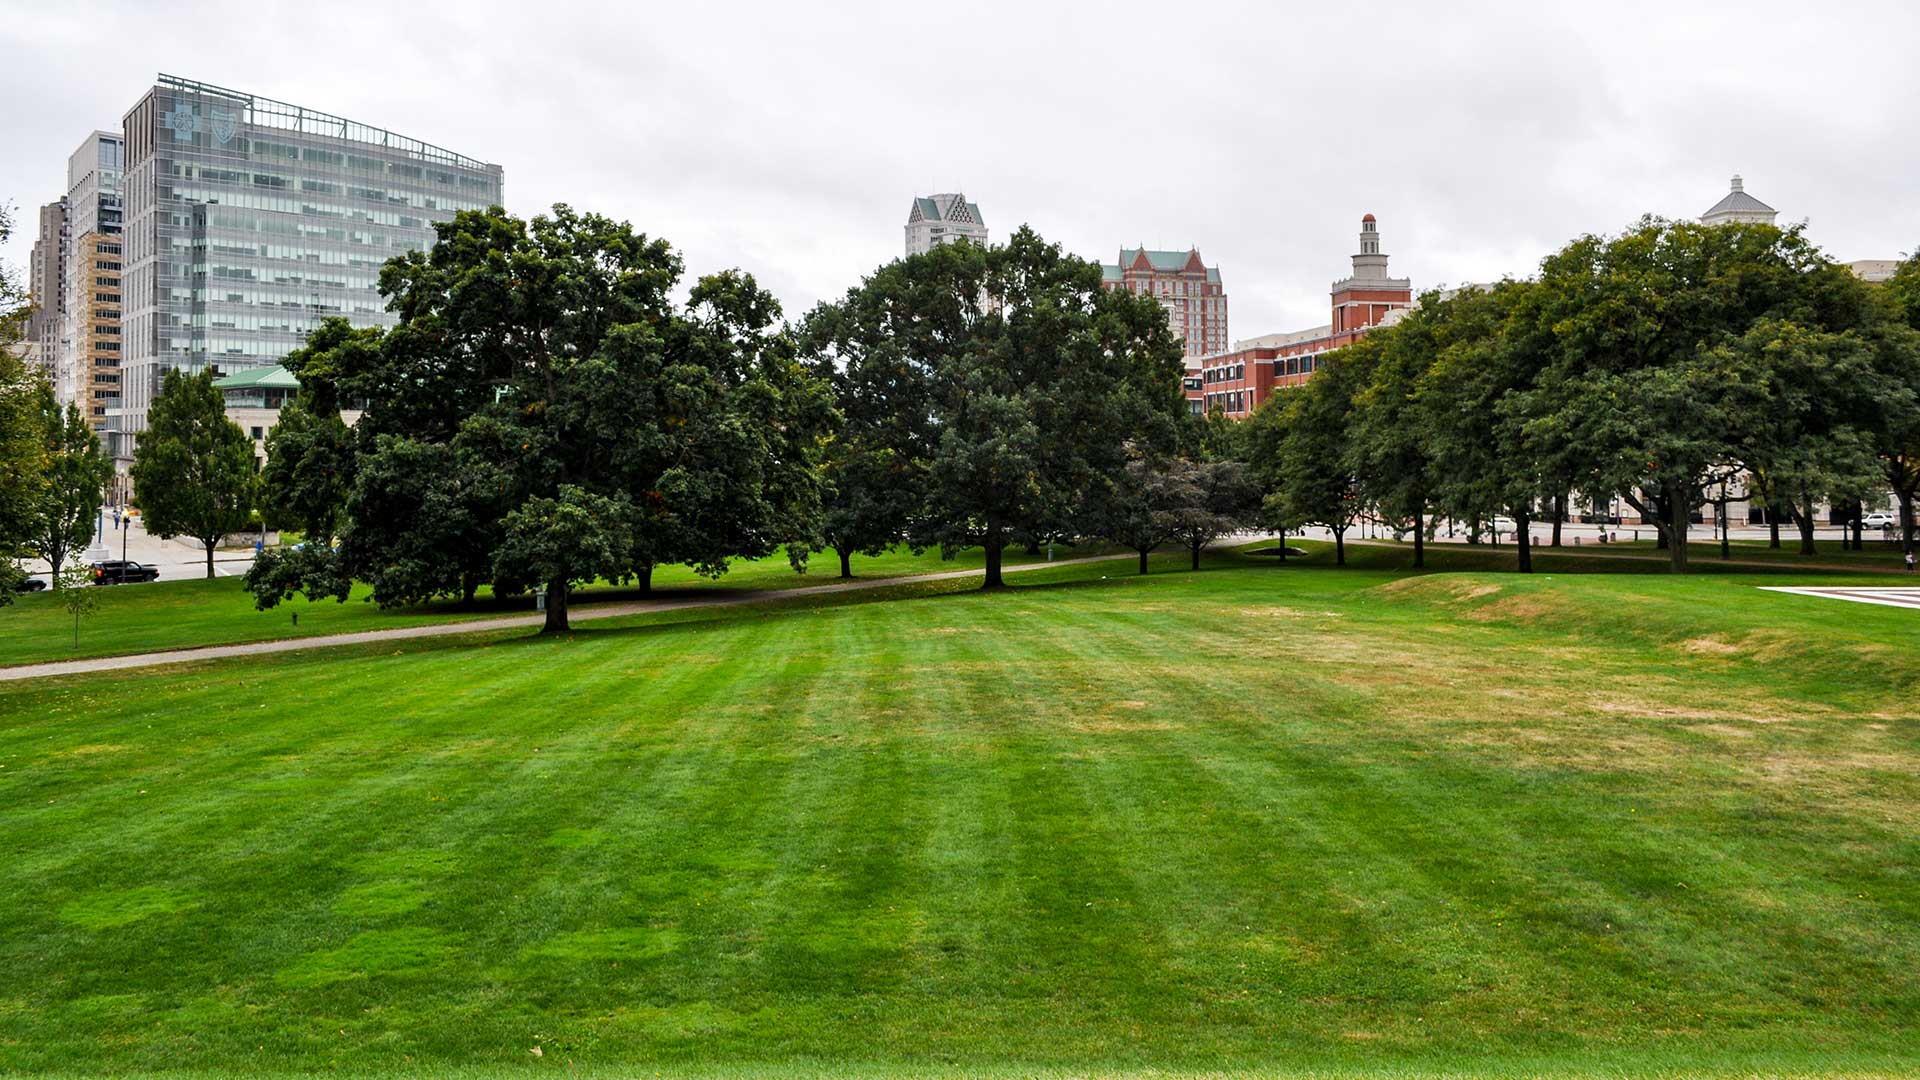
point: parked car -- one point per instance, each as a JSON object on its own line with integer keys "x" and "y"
{"x": 1880, "y": 519}
{"x": 32, "y": 584}
{"x": 118, "y": 572}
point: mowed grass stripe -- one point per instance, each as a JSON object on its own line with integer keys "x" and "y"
{"x": 1377, "y": 825}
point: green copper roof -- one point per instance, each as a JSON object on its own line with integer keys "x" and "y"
{"x": 273, "y": 377}
{"x": 1168, "y": 261}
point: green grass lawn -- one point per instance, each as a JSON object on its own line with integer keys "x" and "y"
{"x": 188, "y": 613}
{"x": 1281, "y": 819}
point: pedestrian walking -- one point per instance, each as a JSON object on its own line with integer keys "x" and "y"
{"x": 1909, "y": 562}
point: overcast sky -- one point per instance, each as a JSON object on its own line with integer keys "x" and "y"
{"x": 788, "y": 138}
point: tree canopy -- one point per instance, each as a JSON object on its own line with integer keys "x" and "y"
{"x": 75, "y": 471}
{"x": 193, "y": 469}
{"x": 544, "y": 406}
{"x": 1002, "y": 384}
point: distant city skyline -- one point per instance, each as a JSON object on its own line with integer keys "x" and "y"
{"x": 785, "y": 140}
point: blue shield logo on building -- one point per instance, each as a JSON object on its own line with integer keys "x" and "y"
{"x": 223, "y": 123}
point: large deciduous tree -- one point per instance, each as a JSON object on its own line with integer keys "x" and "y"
{"x": 20, "y": 446}
{"x": 874, "y": 466}
{"x": 543, "y": 392}
{"x": 1896, "y": 393}
{"x": 1476, "y": 411}
{"x": 1641, "y": 390}
{"x": 1017, "y": 381}
{"x": 193, "y": 469}
{"x": 75, "y": 472}
{"x": 1305, "y": 454}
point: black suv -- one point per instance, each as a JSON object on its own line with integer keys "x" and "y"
{"x": 117, "y": 572}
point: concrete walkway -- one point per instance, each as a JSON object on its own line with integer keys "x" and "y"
{"x": 1600, "y": 551}
{"x": 504, "y": 622}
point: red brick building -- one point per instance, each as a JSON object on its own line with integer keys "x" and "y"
{"x": 1240, "y": 380}
{"x": 1189, "y": 289}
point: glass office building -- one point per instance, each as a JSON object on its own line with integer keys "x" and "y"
{"x": 248, "y": 221}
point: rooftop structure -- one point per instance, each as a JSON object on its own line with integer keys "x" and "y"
{"x": 941, "y": 219}
{"x": 1738, "y": 206}
{"x": 250, "y": 220}
{"x": 1190, "y": 290}
{"x": 1239, "y": 380}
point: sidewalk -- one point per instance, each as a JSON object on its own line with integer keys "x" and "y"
{"x": 505, "y": 622}
{"x": 176, "y": 560}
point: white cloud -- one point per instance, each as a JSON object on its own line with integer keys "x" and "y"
{"x": 788, "y": 138}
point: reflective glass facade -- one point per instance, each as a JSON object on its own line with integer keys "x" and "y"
{"x": 248, "y": 221}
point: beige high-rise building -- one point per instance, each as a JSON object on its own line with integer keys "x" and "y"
{"x": 94, "y": 313}
{"x": 942, "y": 219}
{"x": 46, "y": 274}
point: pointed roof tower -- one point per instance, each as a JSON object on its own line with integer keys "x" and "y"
{"x": 1738, "y": 206}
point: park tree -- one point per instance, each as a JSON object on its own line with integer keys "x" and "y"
{"x": 1175, "y": 500}
{"x": 540, "y": 373}
{"x": 557, "y": 544}
{"x": 1896, "y": 392}
{"x": 193, "y": 469}
{"x": 74, "y": 472}
{"x": 20, "y": 441}
{"x": 1477, "y": 400}
{"x": 1019, "y": 382}
{"x": 1635, "y": 394}
{"x": 309, "y": 471}
{"x": 1805, "y": 401}
{"x": 79, "y": 601}
{"x": 1305, "y": 456}
{"x": 1214, "y": 499}
{"x": 1137, "y": 510}
{"x": 311, "y": 451}
{"x": 874, "y": 466}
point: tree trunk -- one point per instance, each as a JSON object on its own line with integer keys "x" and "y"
{"x": 1803, "y": 517}
{"x": 1340, "y": 546}
{"x": 1196, "y": 546}
{"x": 1283, "y": 545}
{"x": 1523, "y": 538}
{"x": 1559, "y": 515}
{"x": 1773, "y": 526}
{"x": 1726, "y": 531}
{"x": 1143, "y": 559}
{"x": 469, "y": 585}
{"x": 1858, "y": 513}
{"x": 1677, "y": 530}
{"x": 556, "y": 607}
{"x": 1419, "y": 541}
{"x": 994, "y": 543}
{"x": 1906, "y": 519}
{"x": 846, "y": 562}
{"x": 210, "y": 546}
{"x": 644, "y": 577}
{"x": 53, "y": 564}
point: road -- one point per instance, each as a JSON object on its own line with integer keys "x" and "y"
{"x": 176, "y": 559}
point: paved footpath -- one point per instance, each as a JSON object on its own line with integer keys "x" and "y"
{"x": 504, "y": 622}
{"x": 1599, "y": 551}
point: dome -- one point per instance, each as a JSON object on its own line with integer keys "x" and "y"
{"x": 1366, "y": 219}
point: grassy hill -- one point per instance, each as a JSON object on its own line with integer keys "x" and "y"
{"x": 1259, "y": 817}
